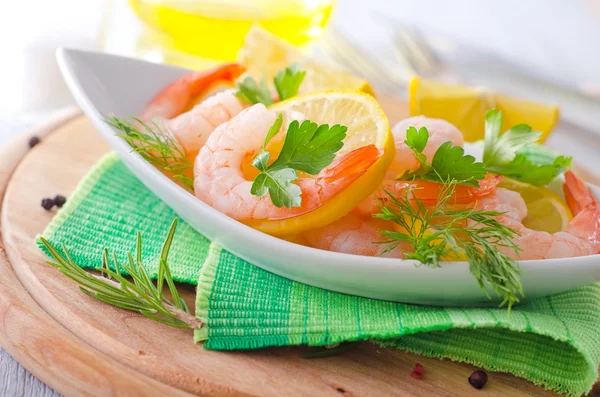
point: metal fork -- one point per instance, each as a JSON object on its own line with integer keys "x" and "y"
{"x": 412, "y": 50}
{"x": 414, "y": 55}
{"x": 366, "y": 64}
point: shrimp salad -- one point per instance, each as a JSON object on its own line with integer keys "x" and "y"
{"x": 301, "y": 167}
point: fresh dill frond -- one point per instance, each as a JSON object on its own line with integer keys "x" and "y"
{"x": 156, "y": 146}
{"x": 443, "y": 232}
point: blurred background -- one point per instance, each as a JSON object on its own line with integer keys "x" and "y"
{"x": 553, "y": 40}
{"x": 540, "y": 50}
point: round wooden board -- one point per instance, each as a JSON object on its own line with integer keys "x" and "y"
{"x": 80, "y": 346}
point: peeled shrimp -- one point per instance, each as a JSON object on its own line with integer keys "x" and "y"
{"x": 352, "y": 234}
{"x": 581, "y": 238}
{"x": 192, "y": 129}
{"x": 440, "y": 131}
{"x": 179, "y": 96}
{"x": 219, "y": 180}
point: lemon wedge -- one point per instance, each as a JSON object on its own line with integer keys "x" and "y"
{"x": 465, "y": 107}
{"x": 367, "y": 125}
{"x": 546, "y": 211}
{"x": 265, "y": 54}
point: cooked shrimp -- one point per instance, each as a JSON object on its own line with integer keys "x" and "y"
{"x": 192, "y": 129}
{"x": 440, "y": 131}
{"x": 219, "y": 180}
{"x": 427, "y": 192}
{"x": 509, "y": 202}
{"x": 179, "y": 96}
{"x": 581, "y": 238}
{"x": 353, "y": 234}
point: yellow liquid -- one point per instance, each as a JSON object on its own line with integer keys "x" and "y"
{"x": 215, "y": 29}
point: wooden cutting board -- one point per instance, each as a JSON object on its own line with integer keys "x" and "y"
{"x": 80, "y": 346}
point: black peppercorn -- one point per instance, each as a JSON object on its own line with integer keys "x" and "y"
{"x": 47, "y": 203}
{"x": 478, "y": 379}
{"x": 60, "y": 200}
{"x": 34, "y": 140}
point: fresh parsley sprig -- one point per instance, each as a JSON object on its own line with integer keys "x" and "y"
{"x": 139, "y": 294}
{"x": 509, "y": 154}
{"x": 442, "y": 233}
{"x": 525, "y": 170}
{"x": 307, "y": 147}
{"x": 287, "y": 83}
{"x": 157, "y": 147}
{"x": 253, "y": 92}
{"x": 448, "y": 163}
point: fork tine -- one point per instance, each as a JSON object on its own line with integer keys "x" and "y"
{"x": 403, "y": 54}
{"x": 412, "y": 49}
{"x": 356, "y": 59}
{"x": 331, "y": 48}
{"x": 426, "y": 49}
{"x": 362, "y": 64}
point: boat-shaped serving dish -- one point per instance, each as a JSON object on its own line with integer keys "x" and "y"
{"x": 105, "y": 84}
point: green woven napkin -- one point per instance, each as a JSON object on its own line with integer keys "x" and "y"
{"x": 552, "y": 342}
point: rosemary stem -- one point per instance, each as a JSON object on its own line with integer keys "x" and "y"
{"x": 189, "y": 319}
{"x": 179, "y": 314}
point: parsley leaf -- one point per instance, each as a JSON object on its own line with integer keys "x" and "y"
{"x": 501, "y": 149}
{"x": 524, "y": 170}
{"x": 274, "y": 130}
{"x": 310, "y": 148}
{"x": 279, "y": 184}
{"x": 417, "y": 140}
{"x": 287, "y": 82}
{"x": 449, "y": 162}
{"x": 307, "y": 147}
{"x": 252, "y": 92}
{"x": 538, "y": 154}
{"x": 516, "y": 155}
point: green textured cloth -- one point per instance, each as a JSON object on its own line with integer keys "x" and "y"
{"x": 552, "y": 342}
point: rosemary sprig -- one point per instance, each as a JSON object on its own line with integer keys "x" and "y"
{"x": 140, "y": 294}
{"x": 156, "y": 146}
{"x": 444, "y": 233}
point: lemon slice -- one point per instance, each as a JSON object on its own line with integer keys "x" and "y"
{"x": 465, "y": 107}
{"x": 546, "y": 211}
{"x": 367, "y": 125}
{"x": 265, "y": 54}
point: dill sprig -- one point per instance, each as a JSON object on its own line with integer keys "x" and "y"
{"x": 157, "y": 147}
{"x": 140, "y": 294}
{"x": 442, "y": 232}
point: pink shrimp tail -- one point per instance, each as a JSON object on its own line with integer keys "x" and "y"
{"x": 586, "y": 211}
{"x": 175, "y": 98}
{"x": 578, "y": 195}
{"x": 346, "y": 169}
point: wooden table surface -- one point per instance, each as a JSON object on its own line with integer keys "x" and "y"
{"x": 15, "y": 380}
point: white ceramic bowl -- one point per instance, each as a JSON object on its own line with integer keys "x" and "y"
{"x": 105, "y": 84}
